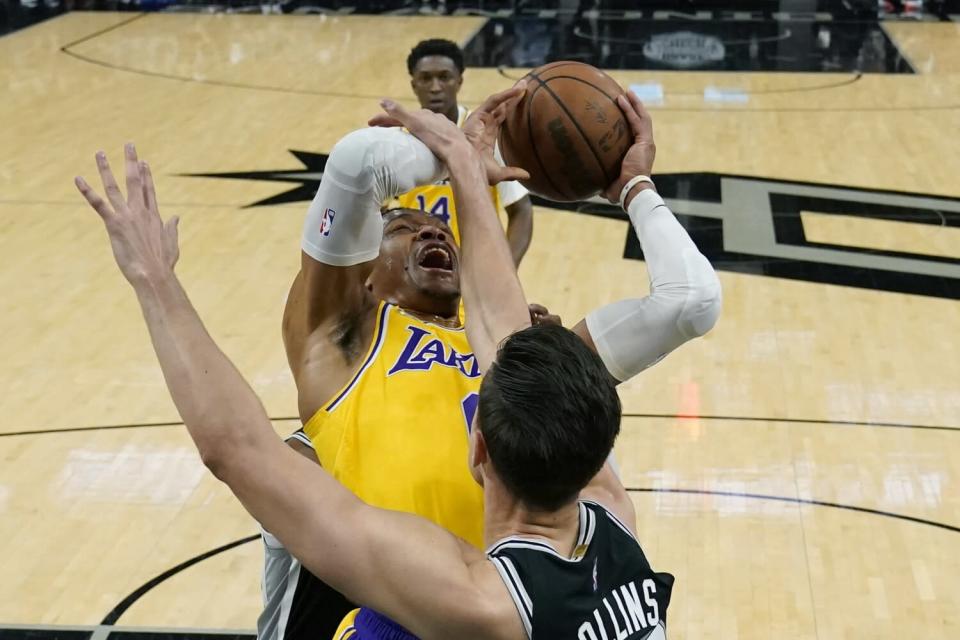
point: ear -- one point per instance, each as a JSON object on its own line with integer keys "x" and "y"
{"x": 479, "y": 455}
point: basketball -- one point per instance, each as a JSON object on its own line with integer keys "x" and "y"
{"x": 567, "y": 132}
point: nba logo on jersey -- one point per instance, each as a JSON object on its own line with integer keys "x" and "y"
{"x": 326, "y": 222}
{"x": 595, "y": 585}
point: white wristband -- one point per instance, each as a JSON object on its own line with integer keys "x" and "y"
{"x": 630, "y": 185}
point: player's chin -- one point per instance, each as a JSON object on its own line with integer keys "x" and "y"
{"x": 438, "y": 283}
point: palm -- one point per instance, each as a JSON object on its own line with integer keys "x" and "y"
{"x": 483, "y": 127}
{"x": 482, "y": 130}
{"x": 143, "y": 245}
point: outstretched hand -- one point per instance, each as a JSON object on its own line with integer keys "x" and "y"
{"x": 483, "y": 127}
{"x": 640, "y": 156}
{"x": 446, "y": 139}
{"x": 143, "y": 245}
{"x": 442, "y": 137}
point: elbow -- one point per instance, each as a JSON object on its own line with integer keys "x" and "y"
{"x": 214, "y": 461}
{"x": 353, "y": 159}
{"x": 702, "y": 308}
{"x": 219, "y": 456}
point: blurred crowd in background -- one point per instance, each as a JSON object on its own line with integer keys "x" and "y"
{"x": 16, "y": 14}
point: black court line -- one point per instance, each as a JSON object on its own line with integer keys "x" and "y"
{"x": 847, "y": 423}
{"x": 192, "y": 205}
{"x": 218, "y": 83}
{"x": 660, "y": 416}
{"x": 114, "y": 615}
{"x": 100, "y": 32}
{"x": 64, "y": 632}
{"x": 355, "y": 96}
{"x": 108, "y": 427}
{"x": 816, "y": 503}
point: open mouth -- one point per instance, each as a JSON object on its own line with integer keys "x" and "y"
{"x": 436, "y": 256}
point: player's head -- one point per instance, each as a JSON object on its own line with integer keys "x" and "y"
{"x": 436, "y": 74}
{"x": 547, "y": 417}
{"x": 419, "y": 264}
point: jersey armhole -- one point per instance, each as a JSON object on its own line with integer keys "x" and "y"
{"x": 613, "y": 518}
{"x": 300, "y": 436}
{"x": 518, "y": 593}
{"x": 376, "y": 343}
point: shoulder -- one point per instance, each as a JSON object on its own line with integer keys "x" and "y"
{"x": 607, "y": 492}
{"x": 605, "y": 514}
{"x": 497, "y": 613}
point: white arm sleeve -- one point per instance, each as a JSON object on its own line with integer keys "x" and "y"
{"x": 344, "y": 226}
{"x": 684, "y": 300}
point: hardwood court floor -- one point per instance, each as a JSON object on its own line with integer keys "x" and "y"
{"x": 811, "y": 491}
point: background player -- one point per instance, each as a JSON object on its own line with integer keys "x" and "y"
{"x": 436, "y": 76}
{"x": 542, "y": 435}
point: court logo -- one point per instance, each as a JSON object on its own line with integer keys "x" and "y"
{"x": 757, "y": 226}
{"x": 684, "y": 49}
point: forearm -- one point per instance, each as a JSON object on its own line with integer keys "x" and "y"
{"x": 494, "y": 300}
{"x": 290, "y": 496}
{"x": 218, "y": 408}
{"x": 519, "y": 228}
{"x": 366, "y": 167}
{"x": 684, "y": 300}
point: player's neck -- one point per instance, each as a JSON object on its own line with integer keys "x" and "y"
{"x": 451, "y": 321}
{"x": 454, "y": 114}
{"x": 505, "y": 516}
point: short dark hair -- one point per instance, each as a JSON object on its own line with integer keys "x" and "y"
{"x": 435, "y": 47}
{"x": 549, "y": 414}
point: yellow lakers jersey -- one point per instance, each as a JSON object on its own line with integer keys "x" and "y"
{"x": 437, "y": 199}
{"x": 397, "y": 434}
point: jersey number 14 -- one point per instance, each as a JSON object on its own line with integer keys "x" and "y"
{"x": 439, "y": 209}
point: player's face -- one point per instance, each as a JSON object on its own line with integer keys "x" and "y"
{"x": 436, "y": 81}
{"x": 419, "y": 264}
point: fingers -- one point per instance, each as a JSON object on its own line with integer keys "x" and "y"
{"x": 513, "y": 173}
{"x": 147, "y": 188}
{"x": 513, "y": 93}
{"x": 396, "y": 111}
{"x": 383, "y": 120}
{"x": 93, "y": 198}
{"x": 109, "y": 182}
{"x": 539, "y": 314}
{"x": 641, "y": 109}
{"x": 171, "y": 242}
{"x": 637, "y": 116}
{"x": 134, "y": 182}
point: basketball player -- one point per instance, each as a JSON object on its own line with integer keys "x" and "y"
{"x": 373, "y": 336}
{"x": 436, "y": 75}
{"x": 557, "y": 565}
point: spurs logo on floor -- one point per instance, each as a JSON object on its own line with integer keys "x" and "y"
{"x": 753, "y": 225}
